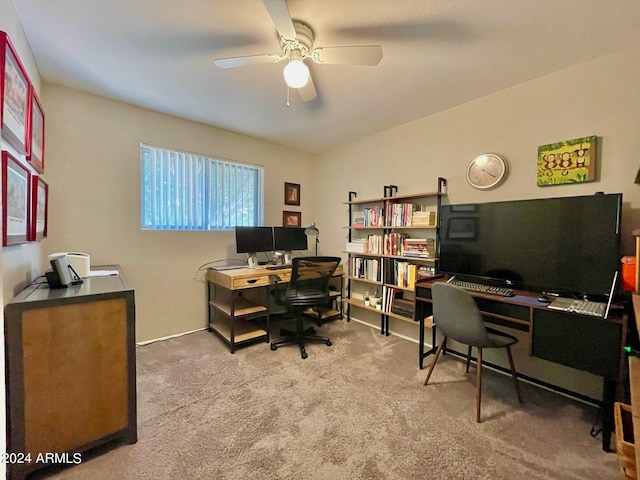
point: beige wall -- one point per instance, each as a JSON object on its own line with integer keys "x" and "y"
{"x": 93, "y": 167}
{"x": 600, "y": 97}
{"x": 18, "y": 264}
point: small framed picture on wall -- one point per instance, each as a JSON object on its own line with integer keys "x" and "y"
{"x": 39, "y": 208}
{"x": 36, "y": 134}
{"x": 291, "y": 219}
{"x": 291, "y": 193}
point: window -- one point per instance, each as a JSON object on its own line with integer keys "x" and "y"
{"x": 186, "y": 191}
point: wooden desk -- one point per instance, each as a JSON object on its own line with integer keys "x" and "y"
{"x": 233, "y": 302}
{"x": 583, "y": 342}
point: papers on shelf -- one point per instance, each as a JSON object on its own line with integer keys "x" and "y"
{"x": 101, "y": 273}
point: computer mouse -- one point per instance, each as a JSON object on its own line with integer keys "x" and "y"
{"x": 543, "y": 299}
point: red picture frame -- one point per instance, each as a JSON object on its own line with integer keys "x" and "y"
{"x": 36, "y": 133}
{"x": 15, "y": 98}
{"x": 16, "y": 201}
{"x": 39, "y": 208}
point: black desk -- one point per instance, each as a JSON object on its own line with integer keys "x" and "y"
{"x": 591, "y": 344}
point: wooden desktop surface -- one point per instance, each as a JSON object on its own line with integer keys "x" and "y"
{"x": 240, "y": 278}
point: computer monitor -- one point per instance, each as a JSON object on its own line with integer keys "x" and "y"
{"x": 252, "y": 240}
{"x": 287, "y": 239}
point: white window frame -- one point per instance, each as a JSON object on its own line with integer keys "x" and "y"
{"x": 189, "y": 191}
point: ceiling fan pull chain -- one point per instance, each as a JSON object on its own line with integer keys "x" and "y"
{"x": 288, "y": 91}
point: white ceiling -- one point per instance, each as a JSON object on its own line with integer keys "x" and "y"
{"x": 159, "y": 54}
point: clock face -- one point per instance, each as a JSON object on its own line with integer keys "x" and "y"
{"x": 487, "y": 170}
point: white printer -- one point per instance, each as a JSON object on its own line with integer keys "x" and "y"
{"x": 80, "y": 262}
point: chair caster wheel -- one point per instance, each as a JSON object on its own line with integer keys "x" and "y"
{"x": 329, "y": 343}
{"x": 273, "y": 347}
{"x": 304, "y": 355}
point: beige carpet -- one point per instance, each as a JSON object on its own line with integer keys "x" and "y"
{"x": 356, "y": 410}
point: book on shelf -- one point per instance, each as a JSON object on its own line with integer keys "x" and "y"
{"x": 400, "y": 273}
{"x": 403, "y": 307}
{"x": 418, "y": 247}
{"x": 369, "y": 217}
{"x": 358, "y": 245}
{"x": 393, "y": 243}
{"x": 423, "y": 217}
{"x": 358, "y": 219}
{"x": 389, "y": 296}
{"x": 425, "y": 271}
{"x": 365, "y": 268}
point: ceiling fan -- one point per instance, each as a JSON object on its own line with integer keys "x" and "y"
{"x": 296, "y": 43}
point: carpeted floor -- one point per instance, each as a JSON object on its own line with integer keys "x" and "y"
{"x": 355, "y": 410}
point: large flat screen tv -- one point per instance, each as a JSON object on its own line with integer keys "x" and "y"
{"x": 569, "y": 245}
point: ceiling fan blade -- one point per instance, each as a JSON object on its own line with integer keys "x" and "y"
{"x": 281, "y": 18}
{"x": 232, "y": 62}
{"x": 308, "y": 92}
{"x": 353, "y": 55}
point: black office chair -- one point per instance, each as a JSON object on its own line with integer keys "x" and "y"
{"x": 308, "y": 287}
{"x": 457, "y": 315}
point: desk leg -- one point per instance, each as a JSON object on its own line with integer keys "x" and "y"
{"x": 608, "y": 398}
{"x": 421, "y": 341}
{"x": 433, "y": 348}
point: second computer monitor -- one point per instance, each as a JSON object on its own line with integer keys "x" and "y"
{"x": 252, "y": 240}
{"x": 288, "y": 239}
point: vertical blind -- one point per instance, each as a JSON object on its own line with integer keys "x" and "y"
{"x": 186, "y": 191}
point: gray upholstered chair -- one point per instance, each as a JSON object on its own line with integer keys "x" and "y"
{"x": 456, "y": 314}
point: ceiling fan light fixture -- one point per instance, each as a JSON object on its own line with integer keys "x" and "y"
{"x": 296, "y": 73}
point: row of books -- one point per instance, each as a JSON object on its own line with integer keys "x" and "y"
{"x": 392, "y": 302}
{"x": 408, "y": 215}
{"x": 385, "y": 270}
{"x": 419, "y": 247}
{"x": 365, "y": 268}
{"x": 395, "y": 215}
{"x": 396, "y": 244}
{"x": 369, "y": 217}
{"x": 400, "y": 273}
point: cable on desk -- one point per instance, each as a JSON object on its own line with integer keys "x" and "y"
{"x": 202, "y": 268}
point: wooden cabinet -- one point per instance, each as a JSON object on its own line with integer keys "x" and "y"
{"x": 71, "y": 371}
{"x": 393, "y": 240}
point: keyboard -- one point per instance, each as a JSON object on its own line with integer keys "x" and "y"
{"x": 478, "y": 287}
{"x": 585, "y": 307}
{"x": 277, "y": 267}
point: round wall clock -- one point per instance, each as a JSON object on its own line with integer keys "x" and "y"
{"x": 487, "y": 171}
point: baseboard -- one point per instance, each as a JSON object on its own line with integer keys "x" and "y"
{"x": 147, "y": 342}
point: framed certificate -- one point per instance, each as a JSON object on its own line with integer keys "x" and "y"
{"x": 15, "y": 91}
{"x": 16, "y": 198}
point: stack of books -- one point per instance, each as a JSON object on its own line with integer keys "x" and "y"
{"x": 402, "y": 307}
{"x": 423, "y": 218}
{"x": 418, "y": 247}
{"x": 425, "y": 271}
{"x": 357, "y": 246}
